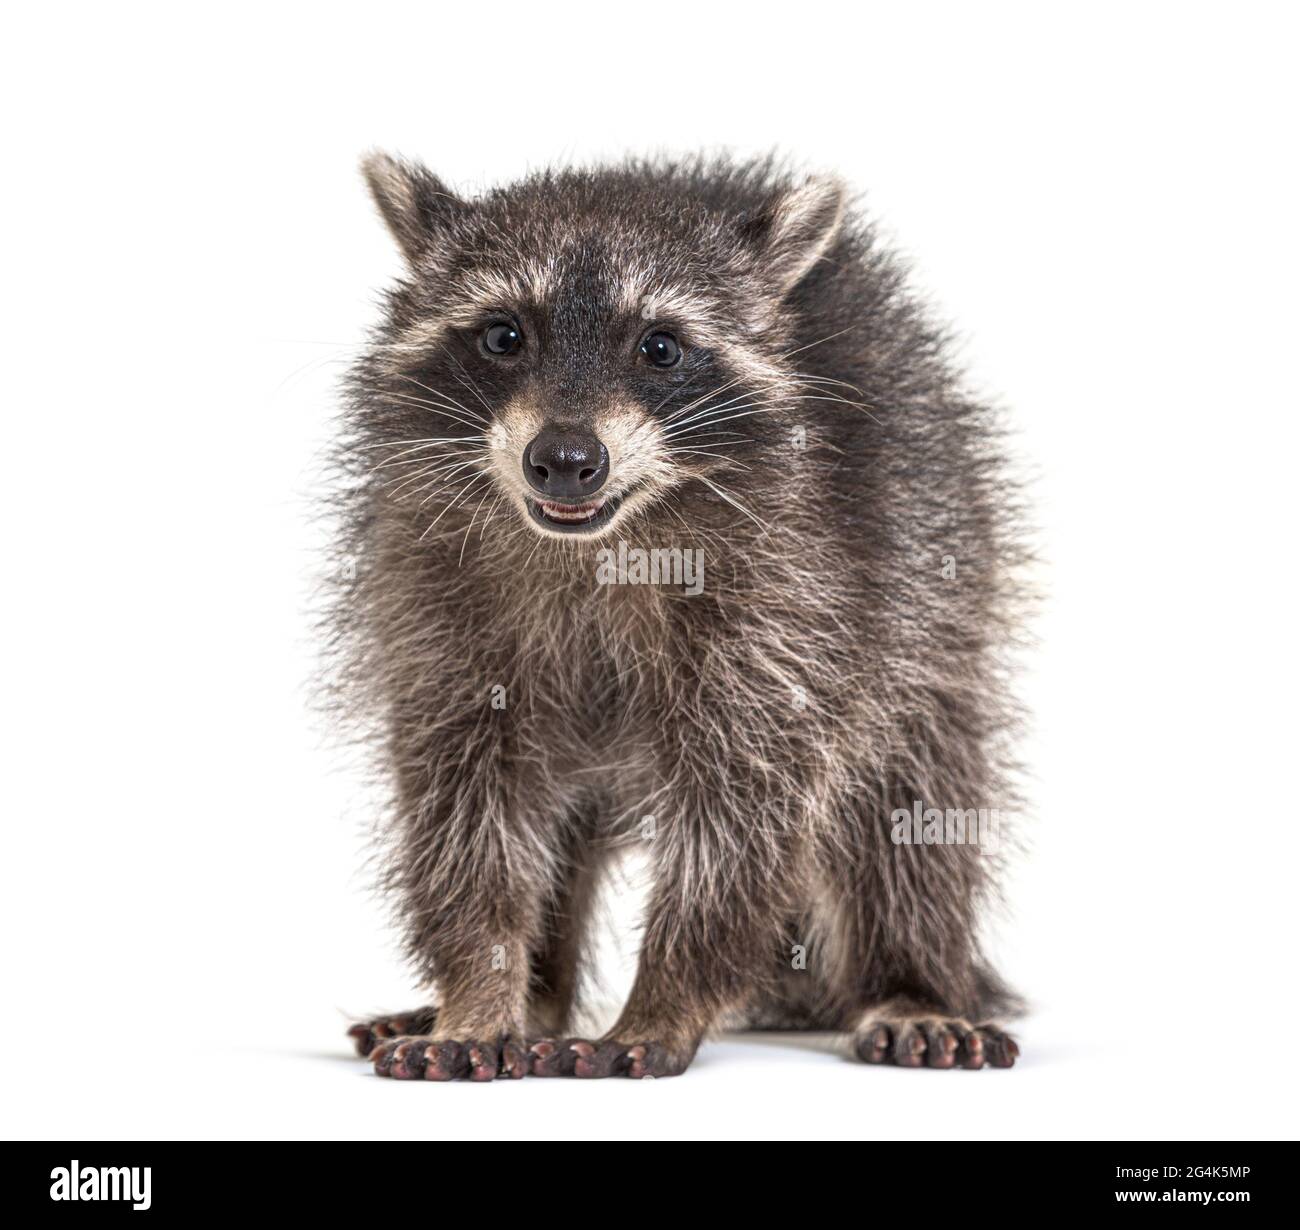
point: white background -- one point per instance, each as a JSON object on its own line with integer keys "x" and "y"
{"x": 1103, "y": 198}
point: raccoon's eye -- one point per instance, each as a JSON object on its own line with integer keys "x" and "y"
{"x": 502, "y": 339}
{"x": 661, "y": 350}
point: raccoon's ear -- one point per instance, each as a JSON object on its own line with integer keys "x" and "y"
{"x": 414, "y": 202}
{"x": 795, "y": 228}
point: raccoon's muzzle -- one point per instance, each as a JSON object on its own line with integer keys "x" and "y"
{"x": 565, "y": 464}
{"x": 574, "y": 517}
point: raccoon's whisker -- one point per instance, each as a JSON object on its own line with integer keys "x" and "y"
{"x": 844, "y": 401}
{"x": 438, "y": 475}
{"x": 477, "y": 477}
{"x": 775, "y": 384}
{"x": 423, "y": 394}
{"x": 715, "y": 450}
{"x": 768, "y": 408}
{"x": 467, "y": 380}
{"x": 678, "y": 417}
{"x": 738, "y": 412}
{"x": 676, "y": 516}
{"x": 704, "y": 435}
{"x": 731, "y": 418}
{"x": 675, "y": 391}
{"x": 707, "y": 410}
{"x": 533, "y": 552}
{"x": 447, "y": 397}
{"x": 465, "y": 541}
{"x": 433, "y": 398}
{"x": 693, "y": 530}
{"x": 699, "y": 401}
{"x": 830, "y": 337}
{"x": 361, "y": 448}
{"x": 728, "y": 461}
{"x": 310, "y": 366}
{"x": 828, "y": 387}
{"x": 356, "y": 347}
{"x": 857, "y": 405}
{"x": 670, "y": 395}
{"x": 414, "y": 478}
{"x": 439, "y": 467}
{"x": 421, "y": 404}
{"x": 705, "y": 397}
{"x": 809, "y": 378}
{"x": 431, "y": 464}
{"x": 422, "y": 452}
{"x": 496, "y": 503}
{"x": 705, "y": 419}
{"x": 723, "y": 495}
{"x": 445, "y": 480}
{"x": 449, "y": 506}
{"x": 424, "y": 403}
{"x": 431, "y": 474}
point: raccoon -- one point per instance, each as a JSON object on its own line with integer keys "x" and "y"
{"x": 579, "y": 381}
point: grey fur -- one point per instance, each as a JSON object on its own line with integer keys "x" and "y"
{"x": 833, "y": 670}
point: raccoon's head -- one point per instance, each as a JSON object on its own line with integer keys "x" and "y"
{"x": 586, "y": 349}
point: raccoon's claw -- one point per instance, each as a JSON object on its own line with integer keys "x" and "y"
{"x": 998, "y": 1049}
{"x": 875, "y": 1045}
{"x": 430, "y": 1059}
{"x": 406, "y": 1059}
{"x": 935, "y": 1042}
{"x": 652, "y": 1060}
{"x": 592, "y": 1060}
{"x": 576, "y": 1057}
{"x": 552, "y": 1057}
{"x": 514, "y": 1060}
{"x": 366, "y": 1035}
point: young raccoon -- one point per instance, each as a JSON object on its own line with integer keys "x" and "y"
{"x": 714, "y": 362}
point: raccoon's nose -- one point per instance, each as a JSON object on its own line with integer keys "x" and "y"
{"x": 568, "y": 462}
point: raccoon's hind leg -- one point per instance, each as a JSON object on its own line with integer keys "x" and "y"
{"x": 792, "y": 998}
{"x": 898, "y": 927}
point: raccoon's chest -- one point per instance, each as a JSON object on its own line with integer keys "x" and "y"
{"x": 593, "y": 687}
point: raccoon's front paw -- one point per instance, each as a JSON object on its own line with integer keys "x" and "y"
{"x": 590, "y": 1060}
{"x": 366, "y": 1035}
{"x": 934, "y": 1042}
{"x": 440, "y": 1059}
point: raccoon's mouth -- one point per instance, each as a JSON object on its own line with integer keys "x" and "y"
{"x": 574, "y": 517}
